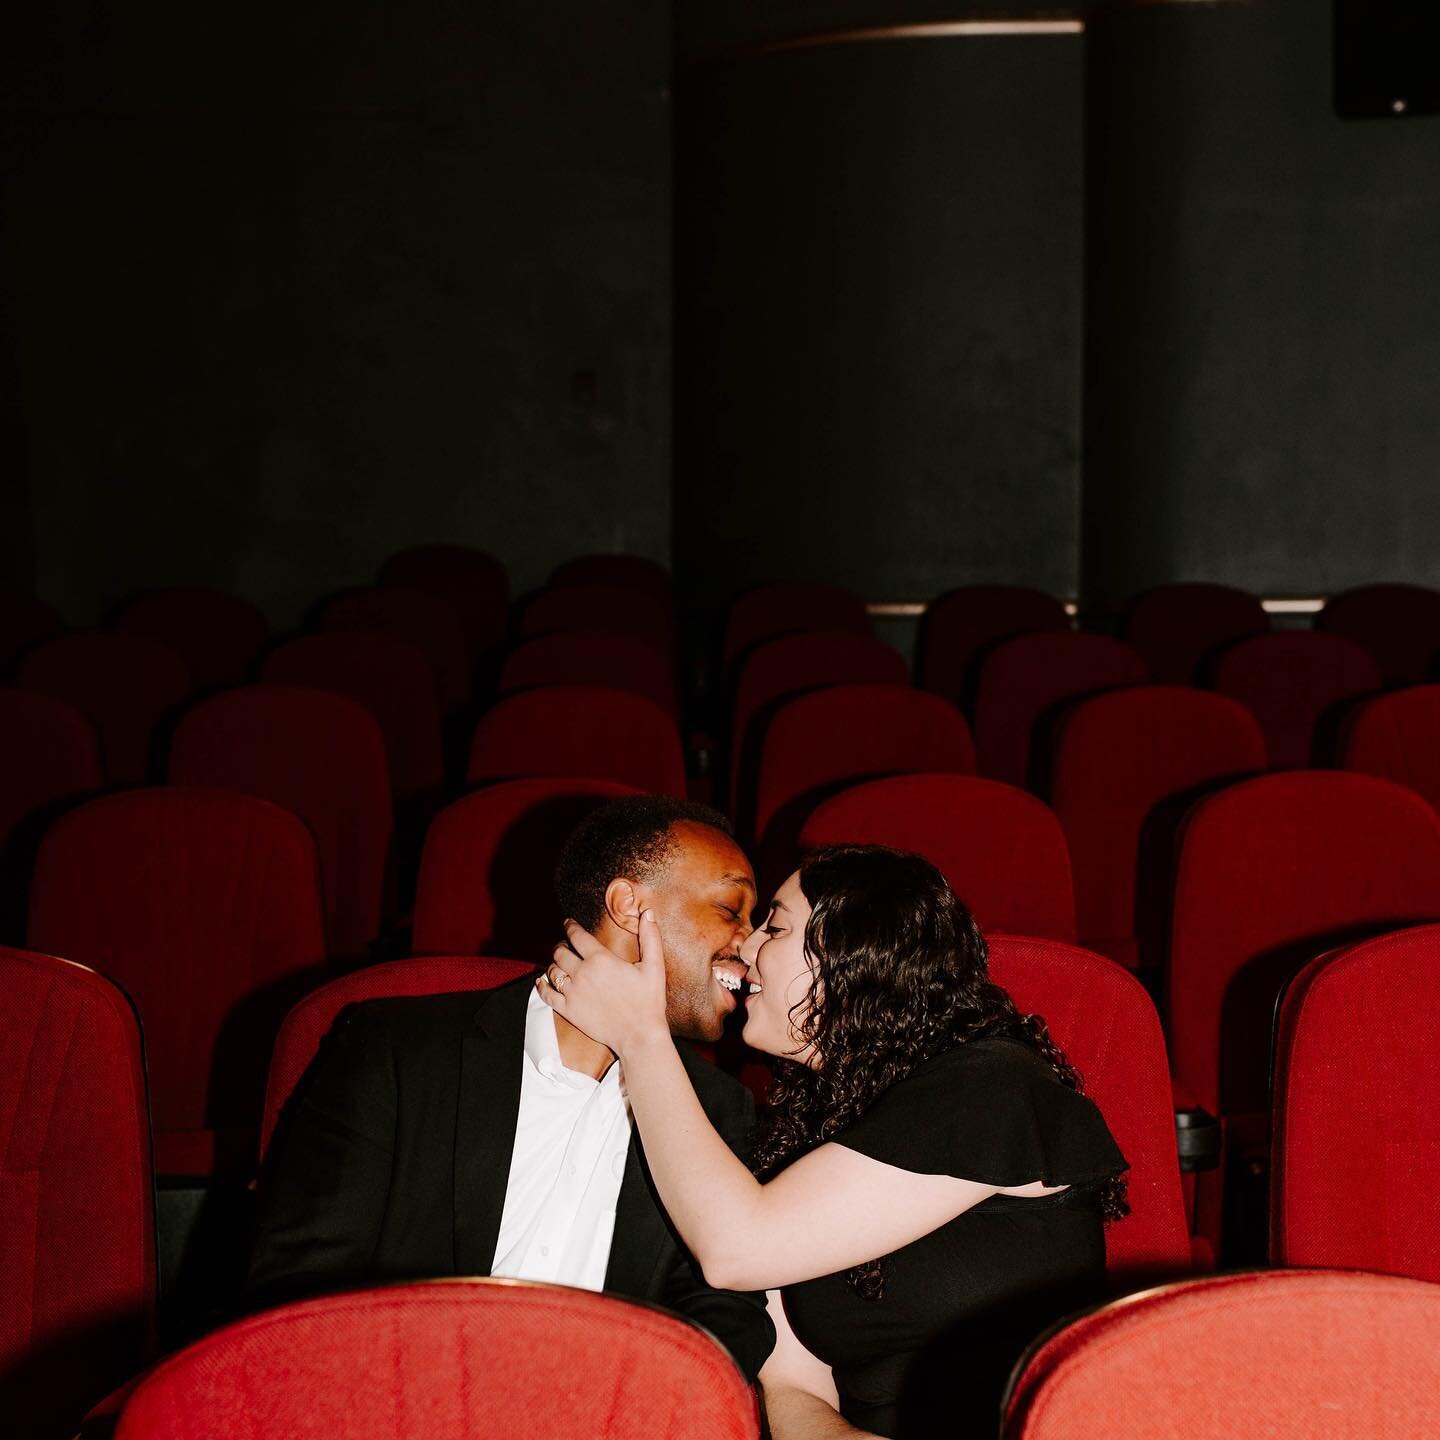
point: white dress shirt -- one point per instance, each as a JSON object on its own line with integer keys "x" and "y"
{"x": 572, "y": 1138}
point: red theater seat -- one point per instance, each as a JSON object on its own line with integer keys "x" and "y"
{"x": 1024, "y": 681}
{"x": 24, "y": 621}
{"x": 1292, "y": 682}
{"x": 428, "y": 621}
{"x": 785, "y": 609}
{"x": 1126, "y": 765}
{"x": 205, "y": 906}
{"x": 579, "y": 730}
{"x": 473, "y": 583}
{"x": 218, "y": 636}
{"x": 486, "y": 877}
{"x": 962, "y": 625}
{"x": 312, "y": 1018}
{"x": 591, "y": 657}
{"x": 1002, "y": 850}
{"x": 1103, "y": 1019}
{"x": 446, "y": 1360}
{"x": 619, "y": 609}
{"x": 319, "y": 756}
{"x": 1356, "y": 1170}
{"x": 1398, "y": 624}
{"x": 1175, "y": 627}
{"x": 49, "y": 752}
{"x": 1292, "y": 1355}
{"x": 125, "y": 685}
{"x": 1397, "y": 737}
{"x": 77, "y": 1236}
{"x": 789, "y": 665}
{"x": 621, "y": 572}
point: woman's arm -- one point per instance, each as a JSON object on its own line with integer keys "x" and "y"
{"x": 801, "y": 1402}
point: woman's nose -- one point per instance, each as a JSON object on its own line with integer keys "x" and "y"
{"x": 751, "y": 948}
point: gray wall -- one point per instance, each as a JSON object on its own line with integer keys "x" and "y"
{"x": 294, "y": 289}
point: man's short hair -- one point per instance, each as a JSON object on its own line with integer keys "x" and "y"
{"x": 626, "y": 839}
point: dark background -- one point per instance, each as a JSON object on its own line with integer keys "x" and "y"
{"x": 284, "y": 289}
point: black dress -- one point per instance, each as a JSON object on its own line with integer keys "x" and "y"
{"x": 932, "y": 1355}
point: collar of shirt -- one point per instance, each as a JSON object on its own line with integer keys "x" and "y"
{"x": 542, "y": 1050}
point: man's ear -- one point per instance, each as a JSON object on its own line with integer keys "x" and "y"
{"x": 623, "y": 905}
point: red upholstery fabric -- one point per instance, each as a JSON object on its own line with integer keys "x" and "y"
{"x": 392, "y": 679}
{"x": 1356, "y": 1170}
{"x": 77, "y": 1238}
{"x": 1002, "y": 850}
{"x": 1288, "y": 1355}
{"x": 1175, "y": 627}
{"x": 449, "y": 1359}
{"x": 24, "y": 621}
{"x": 591, "y": 657}
{"x": 125, "y": 685}
{"x": 785, "y": 609}
{"x": 1125, "y": 764}
{"x": 1106, "y": 1023}
{"x": 218, "y": 636}
{"x": 963, "y": 624}
{"x": 312, "y": 1018}
{"x": 1271, "y": 872}
{"x": 817, "y": 744}
{"x": 787, "y": 666}
{"x": 205, "y": 906}
{"x": 319, "y": 756}
{"x": 579, "y": 730}
{"x": 433, "y": 624}
{"x": 1291, "y": 681}
{"x": 1398, "y": 624}
{"x": 51, "y": 753}
{"x": 1397, "y": 736}
{"x": 474, "y": 583}
{"x": 615, "y": 608}
{"x": 625, "y": 572}
{"x": 1024, "y": 680}
{"x": 485, "y": 877}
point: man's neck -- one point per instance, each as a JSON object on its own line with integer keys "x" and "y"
{"x": 579, "y": 1052}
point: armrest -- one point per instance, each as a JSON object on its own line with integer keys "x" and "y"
{"x": 1198, "y": 1138}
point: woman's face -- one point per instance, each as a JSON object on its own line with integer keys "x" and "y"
{"x": 779, "y": 966}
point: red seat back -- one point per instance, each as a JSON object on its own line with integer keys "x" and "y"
{"x": 473, "y": 583}
{"x": 785, "y": 609}
{"x": 619, "y": 609}
{"x": 1023, "y": 682}
{"x": 962, "y": 625}
{"x": 789, "y": 665}
{"x": 218, "y": 636}
{"x": 1002, "y": 850}
{"x": 428, "y": 621}
{"x": 24, "y": 621}
{"x": 77, "y": 1239}
{"x": 1356, "y": 1169}
{"x": 312, "y": 1018}
{"x": 1175, "y": 627}
{"x": 1289, "y": 1355}
{"x": 449, "y": 1358}
{"x": 1397, "y": 736}
{"x": 392, "y": 679}
{"x": 489, "y": 862}
{"x": 205, "y": 906}
{"x": 1271, "y": 872}
{"x": 318, "y": 755}
{"x": 579, "y": 730}
{"x": 591, "y": 657}
{"x": 620, "y": 572}
{"x": 1126, "y": 765}
{"x": 125, "y": 685}
{"x": 1291, "y": 681}
{"x": 1105, "y": 1022}
{"x": 51, "y": 753}
{"x": 1398, "y": 624}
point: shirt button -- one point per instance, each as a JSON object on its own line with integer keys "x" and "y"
{"x": 544, "y": 1249}
{"x": 572, "y": 1169}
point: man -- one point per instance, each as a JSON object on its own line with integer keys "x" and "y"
{"x": 481, "y": 1134}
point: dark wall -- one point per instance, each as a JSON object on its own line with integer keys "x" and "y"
{"x": 295, "y": 286}
{"x": 878, "y": 338}
{"x": 1263, "y": 312}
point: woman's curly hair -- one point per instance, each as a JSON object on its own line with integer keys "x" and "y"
{"x": 901, "y": 973}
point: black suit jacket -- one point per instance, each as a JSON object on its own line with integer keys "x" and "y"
{"x": 392, "y": 1159}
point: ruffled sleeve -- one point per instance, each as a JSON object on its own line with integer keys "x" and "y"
{"x": 992, "y": 1111}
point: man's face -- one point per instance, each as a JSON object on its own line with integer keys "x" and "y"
{"x": 702, "y": 902}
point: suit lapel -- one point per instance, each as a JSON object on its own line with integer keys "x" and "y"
{"x": 491, "y": 1062}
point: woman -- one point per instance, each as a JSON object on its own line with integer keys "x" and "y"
{"x": 932, "y": 1186}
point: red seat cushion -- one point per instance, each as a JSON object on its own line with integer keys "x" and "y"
{"x": 1398, "y": 624}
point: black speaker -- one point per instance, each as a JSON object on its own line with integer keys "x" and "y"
{"x": 1387, "y": 57}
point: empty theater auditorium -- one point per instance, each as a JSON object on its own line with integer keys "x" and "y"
{"x": 599, "y": 596}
